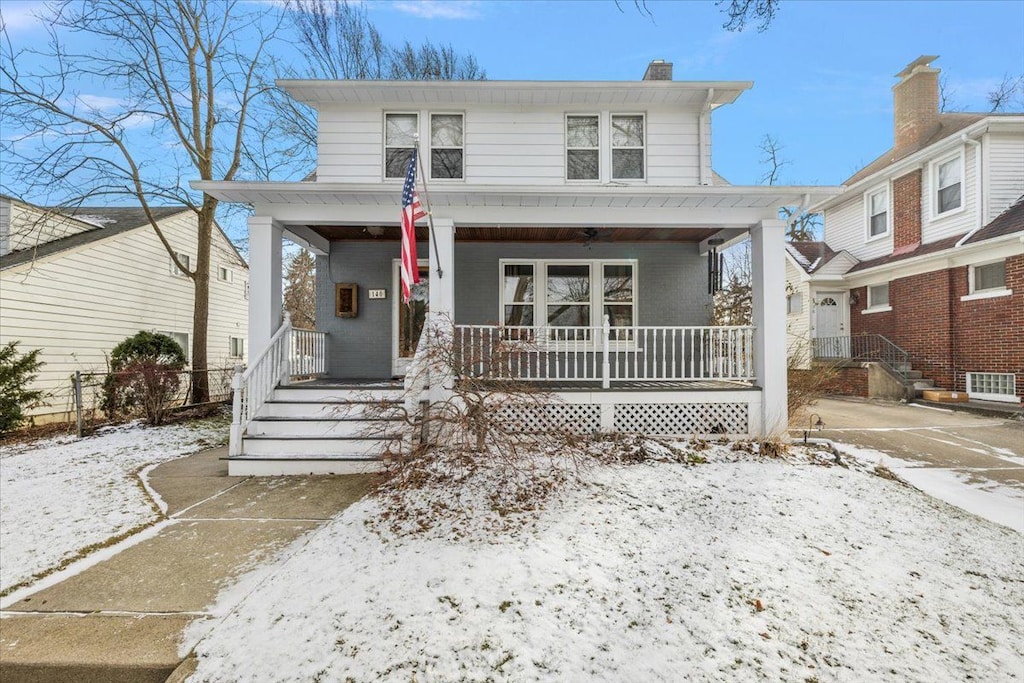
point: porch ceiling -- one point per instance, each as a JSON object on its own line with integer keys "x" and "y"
{"x": 520, "y": 234}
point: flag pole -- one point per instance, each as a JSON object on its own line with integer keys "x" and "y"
{"x": 430, "y": 214}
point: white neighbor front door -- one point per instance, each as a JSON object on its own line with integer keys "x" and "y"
{"x": 830, "y": 336}
{"x": 407, "y": 319}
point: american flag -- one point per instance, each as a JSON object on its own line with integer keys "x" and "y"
{"x": 411, "y": 212}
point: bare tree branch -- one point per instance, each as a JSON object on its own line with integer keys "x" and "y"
{"x": 1008, "y": 93}
{"x": 742, "y": 11}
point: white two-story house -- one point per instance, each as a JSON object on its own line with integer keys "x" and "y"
{"x": 582, "y": 216}
{"x": 922, "y": 264}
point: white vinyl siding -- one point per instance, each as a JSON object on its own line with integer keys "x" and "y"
{"x": 507, "y": 146}
{"x": 1005, "y": 175}
{"x": 119, "y": 286}
{"x": 798, "y": 325}
{"x": 844, "y": 229}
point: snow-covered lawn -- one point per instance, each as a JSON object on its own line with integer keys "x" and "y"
{"x": 60, "y": 495}
{"x": 741, "y": 569}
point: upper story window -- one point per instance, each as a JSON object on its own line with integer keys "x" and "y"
{"x": 627, "y": 147}
{"x": 184, "y": 260}
{"x": 582, "y": 147}
{"x": 446, "y": 146}
{"x": 399, "y": 142}
{"x": 224, "y": 274}
{"x": 948, "y": 176}
{"x": 878, "y": 213}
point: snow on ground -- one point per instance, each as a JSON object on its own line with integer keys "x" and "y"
{"x": 736, "y": 570}
{"x": 984, "y": 497}
{"x": 60, "y": 495}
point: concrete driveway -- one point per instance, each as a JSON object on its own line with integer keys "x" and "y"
{"x": 972, "y": 461}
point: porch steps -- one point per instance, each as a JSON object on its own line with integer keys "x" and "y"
{"x": 322, "y": 428}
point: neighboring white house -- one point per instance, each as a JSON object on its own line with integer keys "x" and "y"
{"x": 76, "y": 283}
{"x": 922, "y": 263}
{"x": 556, "y": 206}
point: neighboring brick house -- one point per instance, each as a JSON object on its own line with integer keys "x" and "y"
{"x": 925, "y": 247}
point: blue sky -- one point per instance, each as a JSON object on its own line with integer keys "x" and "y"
{"x": 822, "y": 72}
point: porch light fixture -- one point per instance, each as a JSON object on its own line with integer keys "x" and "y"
{"x": 854, "y": 299}
{"x": 374, "y": 230}
{"x": 813, "y": 424}
{"x": 716, "y": 264}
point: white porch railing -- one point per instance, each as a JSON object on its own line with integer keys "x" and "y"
{"x": 606, "y": 354}
{"x": 290, "y": 353}
{"x": 308, "y": 353}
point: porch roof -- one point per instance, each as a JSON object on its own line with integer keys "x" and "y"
{"x": 325, "y": 203}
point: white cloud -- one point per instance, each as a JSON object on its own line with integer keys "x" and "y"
{"x": 100, "y": 102}
{"x": 440, "y": 9}
{"x": 20, "y": 16}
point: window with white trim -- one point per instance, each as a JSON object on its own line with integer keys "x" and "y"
{"x": 627, "y": 147}
{"x": 400, "y": 130}
{"x": 794, "y": 304}
{"x": 878, "y": 213}
{"x": 224, "y": 274}
{"x": 948, "y": 176}
{"x": 988, "y": 277}
{"x": 236, "y": 347}
{"x": 181, "y": 338}
{"x": 574, "y": 293}
{"x": 994, "y": 386}
{"x": 878, "y": 295}
{"x": 446, "y": 146}
{"x": 184, "y": 260}
{"x": 582, "y": 147}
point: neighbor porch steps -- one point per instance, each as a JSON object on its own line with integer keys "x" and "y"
{"x": 321, "y": 428}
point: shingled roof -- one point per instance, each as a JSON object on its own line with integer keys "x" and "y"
{"x": 810, "y": 255}
{"x": 1008, "y": 222}
{"x": 109, "y": 221}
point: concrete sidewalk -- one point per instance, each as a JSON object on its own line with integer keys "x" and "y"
{"x": 121, "y": 619}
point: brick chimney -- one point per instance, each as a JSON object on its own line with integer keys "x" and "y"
{"x": 916, "y": 105}
{"x": 658, "y": 70}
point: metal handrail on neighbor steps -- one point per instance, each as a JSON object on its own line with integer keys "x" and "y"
{"x": 864, "y": 347}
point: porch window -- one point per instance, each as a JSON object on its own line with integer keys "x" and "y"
{"x": 399, "y": 143}
{"x": 582, "y": 142}
{"x": 518, "y": 294}
{"x": 628, "y": 147}
{"x": 947, "y": 183}
{"x": 878, "y": 213}
{"x": 568, "y": 295}
{"x": 446, "y": 146}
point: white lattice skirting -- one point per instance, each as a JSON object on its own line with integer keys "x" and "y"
{"x": 664, "y": 414}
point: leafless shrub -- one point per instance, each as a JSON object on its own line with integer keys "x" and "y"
{"x": 807, "y": 381}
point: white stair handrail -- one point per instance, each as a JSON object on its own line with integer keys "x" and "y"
{"x": 253, "y": 387}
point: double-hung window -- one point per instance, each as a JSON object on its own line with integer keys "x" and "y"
{"x": 948, "y": 177}
{"x": 564, "y": 296}
{"x": 878, "y": 213}
{"x": 184, "y": 260}
{"x": 399, "y": 142}
{"x": 627, "y": 147}
{"x": 446, "y": 146}
{"x": 582, "y": 147}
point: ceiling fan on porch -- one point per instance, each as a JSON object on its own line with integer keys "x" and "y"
{"x": 590, "y": 235}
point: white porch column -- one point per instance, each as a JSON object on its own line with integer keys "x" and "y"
{"x": 768, "y": 285}
{"x": 264, "y": 282}
{"x": 442, "y": 269}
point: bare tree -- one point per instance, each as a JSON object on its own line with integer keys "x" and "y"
{"x": 800, "y": 225}
{"x": 179, "y": 79}
{"x": 742, "y": 11}
{"x": 300, "y": 289}
{"x": 946, "y": 95}
{"x": 1009, "y": 93}
{"x": 339, "y": 42}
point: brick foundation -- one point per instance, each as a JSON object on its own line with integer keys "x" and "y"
{"x": 847, "y": 382}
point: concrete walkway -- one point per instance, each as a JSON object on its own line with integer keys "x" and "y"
{"x": 121, "y": 619}
{"x": 973, "y": 461}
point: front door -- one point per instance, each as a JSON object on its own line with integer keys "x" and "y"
{"x": 408, "y": 318}
{"x": 830, "y": 339}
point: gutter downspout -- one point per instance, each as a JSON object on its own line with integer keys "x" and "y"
{"x": 978, "y": 198}
{"x": 703, "y": 174}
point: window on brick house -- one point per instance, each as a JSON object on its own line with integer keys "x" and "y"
{"x": 878, "y": 213}
{"x": 948, "y": 176}
{"x": 878, "y": 296}
{"x": 988, "y": 277}
{"x": 992, "y": 386}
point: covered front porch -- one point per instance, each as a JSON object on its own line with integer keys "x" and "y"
{"x": 600, "y": 293}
